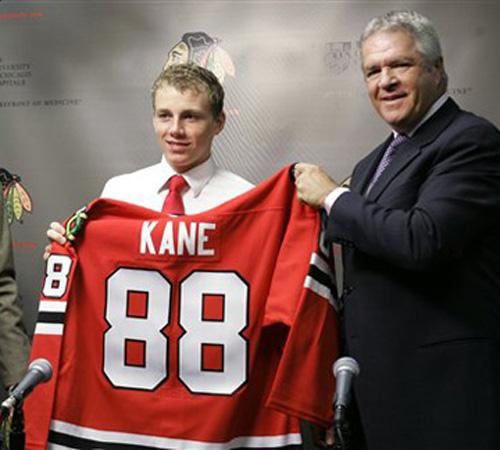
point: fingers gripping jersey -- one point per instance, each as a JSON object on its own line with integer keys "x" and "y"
{"x": 210, "y": 331}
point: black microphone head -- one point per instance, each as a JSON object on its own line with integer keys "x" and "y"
{"x": 346, "y": 363}
{"x": 42, "y": 366}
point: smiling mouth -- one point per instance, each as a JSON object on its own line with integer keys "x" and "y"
{"x": 392, "y": 98}
{"x": 178, "y": 145}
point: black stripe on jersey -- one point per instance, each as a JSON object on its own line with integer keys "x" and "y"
{"x": 320, "y": 276}
{"x": 50, "y": 317}
{"x": 326, "y": 281}
{"x": 88, "y": 444}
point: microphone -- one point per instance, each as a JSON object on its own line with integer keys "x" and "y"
{"x": 39, "y": 371}
{"x": 344, "y": 369}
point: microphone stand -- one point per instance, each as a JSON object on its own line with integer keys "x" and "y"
{"x": 12, "y": 425}
{"x": 17, "y": 437}
{"x": 341, "y": 429}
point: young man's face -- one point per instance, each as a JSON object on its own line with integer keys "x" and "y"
{"x": 185, "y": 126}
{"x": 401, "y": 85}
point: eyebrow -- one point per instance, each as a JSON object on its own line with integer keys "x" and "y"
{"x": 391, "y": 62}
{"x": 183, "y": 112}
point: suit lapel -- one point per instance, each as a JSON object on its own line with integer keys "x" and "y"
{"x": 408, "y": 151}
{"x": 366, "y": 167}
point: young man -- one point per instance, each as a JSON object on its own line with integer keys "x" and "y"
{"x": 198, "y": 312}
{"x": 421, "y": 246}
{"x": 188, "y": 113}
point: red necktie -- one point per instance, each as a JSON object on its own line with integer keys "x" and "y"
{"x": 173, "y": 203}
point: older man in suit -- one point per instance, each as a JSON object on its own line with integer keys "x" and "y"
{"x": 14, "y": 345}
{"x": 420, "y": 230}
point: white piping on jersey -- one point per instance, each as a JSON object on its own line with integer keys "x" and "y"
{"x": 319, "y": 289}
{"x": 56, "y": 327}
{"x": 52, "y": 306}
{"x": 49, "y": 328}
{"x": 108, "y": 437}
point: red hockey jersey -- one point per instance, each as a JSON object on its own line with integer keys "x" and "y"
{"x": 210, "y": 331}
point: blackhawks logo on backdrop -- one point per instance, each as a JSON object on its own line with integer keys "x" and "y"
{"x": 201, "y": 49}
{"x": 15, "y": 196}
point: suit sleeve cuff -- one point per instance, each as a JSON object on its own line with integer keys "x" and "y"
{"x": 332, "y": 197}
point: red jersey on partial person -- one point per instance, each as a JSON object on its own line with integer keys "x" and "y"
{"x": 209, "y": 331}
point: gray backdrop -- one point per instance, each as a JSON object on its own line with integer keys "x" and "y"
{"x": 75, "y": 77}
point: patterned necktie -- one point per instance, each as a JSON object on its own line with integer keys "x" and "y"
{"x": 173, "y": 202}
{"x": 387, "y": 158}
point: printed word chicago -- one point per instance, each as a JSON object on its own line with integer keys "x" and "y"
{"x": 177, "y": 238}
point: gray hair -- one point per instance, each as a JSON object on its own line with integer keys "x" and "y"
{"x": 416, "y": 25}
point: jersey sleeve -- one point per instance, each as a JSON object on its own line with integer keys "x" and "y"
{"x": 304, "y": 383}
{"x": 303, "y": 298}
{"x": 47, "y": 340}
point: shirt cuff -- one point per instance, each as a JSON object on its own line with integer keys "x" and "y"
{"x": 332, "y": 197}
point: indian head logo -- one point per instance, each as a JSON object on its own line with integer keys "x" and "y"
{"x": 16, "y": 198}
{"x": 201, "y": 49}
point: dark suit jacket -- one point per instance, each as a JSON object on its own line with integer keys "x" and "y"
{"x": 422, "y": 287}
{"x": 14, "y": 346}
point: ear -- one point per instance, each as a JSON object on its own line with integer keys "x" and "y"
{"x": 439, "y": 66}
{"x": 220, "y": 122}
{"x": 153, "y": 120}
{"x": 443, "y": 81}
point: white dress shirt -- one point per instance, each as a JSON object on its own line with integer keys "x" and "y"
{"x": 209, "y": 186}
{"x": 332, "y": 197}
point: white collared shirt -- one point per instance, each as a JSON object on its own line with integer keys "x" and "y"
{"x": 432, "y": 110}
{"x": 332, "y": 197}
{"x": 209, "y": 186}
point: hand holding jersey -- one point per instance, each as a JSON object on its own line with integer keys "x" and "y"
{"x": 313, "y": 184}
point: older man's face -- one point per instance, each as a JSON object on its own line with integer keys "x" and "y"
{"x": 401, "y": 85}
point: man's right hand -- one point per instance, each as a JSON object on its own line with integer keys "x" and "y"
{"x": 313, "y": 184}
{"x": 56, "y": 232}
